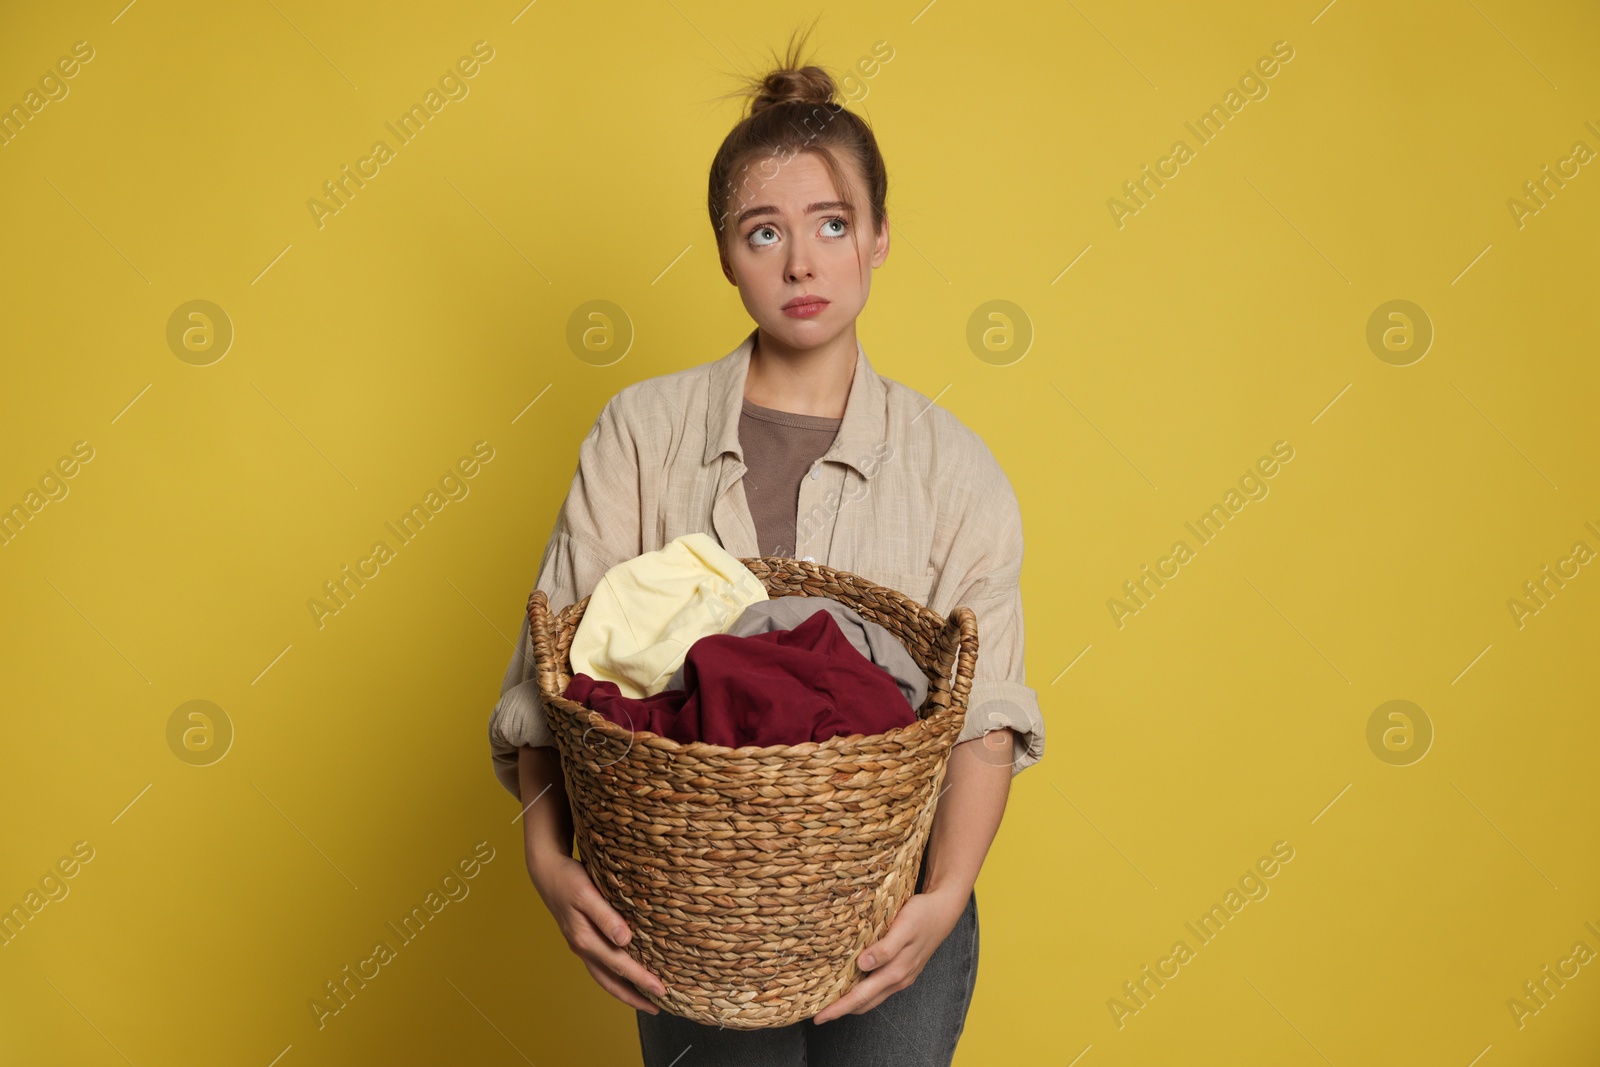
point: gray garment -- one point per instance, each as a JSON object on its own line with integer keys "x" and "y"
{"x": 869, "y": 638}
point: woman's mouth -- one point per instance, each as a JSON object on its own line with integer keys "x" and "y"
{"x": 804, "y": 307}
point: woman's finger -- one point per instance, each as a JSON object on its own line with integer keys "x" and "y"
{"x": 886, "y": 948}
{"x": 613, "y": 931}
{"x": 625, "y": 966}
{"x": 604, "y": 916}
{"x": 619, "y": 988}
{"x": 866, "y": 995}
{"x": 593, "y": 946}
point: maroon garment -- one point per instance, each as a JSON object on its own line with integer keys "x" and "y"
{"x": 781, "y": 687}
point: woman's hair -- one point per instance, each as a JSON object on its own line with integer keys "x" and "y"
{"x": 792, "y": 110}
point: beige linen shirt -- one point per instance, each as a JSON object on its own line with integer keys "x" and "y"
{"x": 906, "y": 496}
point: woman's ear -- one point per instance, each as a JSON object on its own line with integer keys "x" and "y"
{"x": 880, "y": 248}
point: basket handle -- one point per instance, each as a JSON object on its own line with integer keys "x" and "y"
{"x": 538, "y": 614}
{"x": 540, "y": 640}
{"x": 963, "y": 627}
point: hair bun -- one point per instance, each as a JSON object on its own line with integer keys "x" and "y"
{"x": 793, "y": 85}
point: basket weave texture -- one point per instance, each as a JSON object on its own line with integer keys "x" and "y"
{"x": 753, "y": 877}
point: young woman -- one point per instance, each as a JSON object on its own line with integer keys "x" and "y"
{"x": 793, "y": 445}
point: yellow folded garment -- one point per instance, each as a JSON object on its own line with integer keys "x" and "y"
{"x": 647, "y": 611}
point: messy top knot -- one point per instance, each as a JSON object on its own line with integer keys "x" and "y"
{"x": 792, "y": 109}
{"x": 787, "y": 85}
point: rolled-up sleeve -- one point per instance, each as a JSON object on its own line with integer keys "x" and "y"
{"x": 985, "y": 558}
{"x": 597, "y": 527}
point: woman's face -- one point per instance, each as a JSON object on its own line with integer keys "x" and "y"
{"x": 788, "y": 238}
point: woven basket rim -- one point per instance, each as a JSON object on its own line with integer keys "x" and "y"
{"x": 763, "y": 565}
{"x": 618, "y": 732}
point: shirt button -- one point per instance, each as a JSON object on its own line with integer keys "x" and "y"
{"x": 814, "y": 471}
{"x": 809, "y": 559}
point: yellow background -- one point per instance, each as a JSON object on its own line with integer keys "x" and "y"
{"x": 1228, "y": 314}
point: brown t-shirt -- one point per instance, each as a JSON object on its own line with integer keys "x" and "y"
{"x": 780, "y": 448}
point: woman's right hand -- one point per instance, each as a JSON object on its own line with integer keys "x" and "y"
{"x": 594, "y": 931}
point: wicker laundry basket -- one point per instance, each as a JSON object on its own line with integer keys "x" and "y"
{"x": 753, "y": 877}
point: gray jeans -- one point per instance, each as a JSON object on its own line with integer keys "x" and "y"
{"x": 918, "y": 1025}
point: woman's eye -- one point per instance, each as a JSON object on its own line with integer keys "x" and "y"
{"x": 829, "y": 222}
{"x": 758, "y": 232}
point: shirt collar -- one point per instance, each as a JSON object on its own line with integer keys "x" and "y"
{"x": 863, "y": 426}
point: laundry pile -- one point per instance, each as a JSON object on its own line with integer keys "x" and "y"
{"x": 684, "y": 642}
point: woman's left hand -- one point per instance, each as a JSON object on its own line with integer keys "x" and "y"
{"x": 894, "y": 961}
